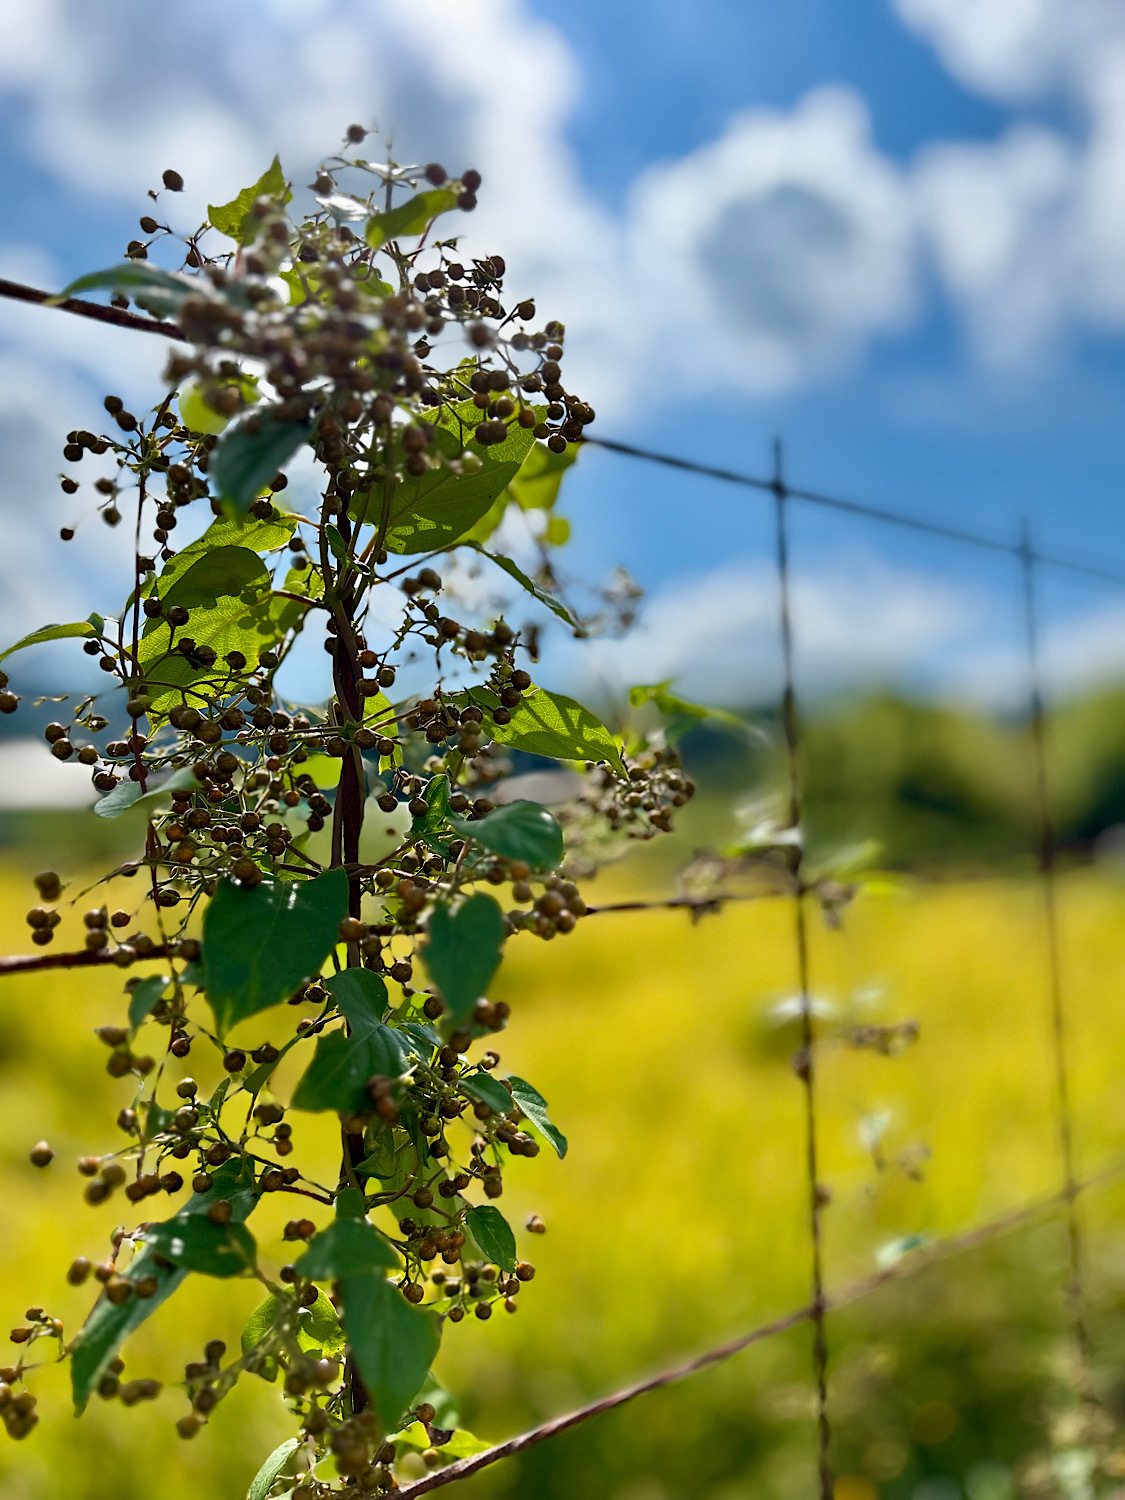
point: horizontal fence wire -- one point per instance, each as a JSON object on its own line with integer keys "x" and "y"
{"x": 912, "y": 1263}
{"x": 915, "y": 1261}
{"x": 122, "y": 318}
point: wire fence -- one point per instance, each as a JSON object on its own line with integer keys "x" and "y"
{"x": 1030, "y": 563}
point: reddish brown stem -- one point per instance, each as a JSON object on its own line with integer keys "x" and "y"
{"x": 31, "y": 962}
{"x": 115, "y": 315}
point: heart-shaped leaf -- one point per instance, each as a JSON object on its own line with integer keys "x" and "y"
{"x": 260, "y": 944}
{"x": 519, "y": 830}
{"x": 464, "y": 951}
{"x": 348, "y": 1247}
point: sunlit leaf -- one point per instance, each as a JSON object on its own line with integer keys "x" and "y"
{"x": 432, "y": 510}
{"x": 658, "y": 694}
{"x": 79, "y": 628}
{"x": 536, "y": 486}
{"x": 235, "y": 218}
{"x": 228, "y": 531}
{"x": 316, "y": 1329}
{"x": 264, "y": 1478}
{"x": 409, "y": 218}
{"x": 556, "y": 726}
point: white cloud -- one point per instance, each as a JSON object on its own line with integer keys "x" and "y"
{"x": 1028, "y": 231}
{"x": 776, "y": 251}
{"x": 31, "y": 777}
{"x": 759, "y": 261}
{"x": 857, "y": 621}
{"x": 1016, "y": 49}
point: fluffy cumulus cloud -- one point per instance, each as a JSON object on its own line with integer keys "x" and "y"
{"x": 1028, "y": 232}
{"x": 765, "y": 259}
{"x": 1016, "y": 49}
{"x": 777, "y": 250}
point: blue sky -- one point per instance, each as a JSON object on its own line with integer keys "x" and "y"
{"x": 891, "y": 232}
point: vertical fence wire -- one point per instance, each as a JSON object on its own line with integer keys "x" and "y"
{"x": 805, "y": 1061}
{"x": 1048, "y": 885}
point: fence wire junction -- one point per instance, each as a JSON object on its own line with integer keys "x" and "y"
{"x": 822, "y": 1301}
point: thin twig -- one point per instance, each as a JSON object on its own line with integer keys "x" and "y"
{"x": 122, "y": 319}
{"x": 31, "y": 962}
{"x": 688, "y": 903}
{"x": 115, "y": 315}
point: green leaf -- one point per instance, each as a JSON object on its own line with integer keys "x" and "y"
{"x": 198, "y": 415}
{"x": 159, "y": 292}
{"x": 195, "y": 1244}
{"x": 109, "y": 1324}
{"x": 668, "y": 703}
{"x": 348, "y": 1247}
{"x": 213, "y": 574}
{"x": 324, "y": 769}
{"x": 415, "y": 1438}
{"x": 248, "y": 456}
{"x": 158, "y": 1120}
{"x": 556, "y": 606}
{"x": 228, "y": 531}
{"x": 463, "y": 1444}
{"x": 362, "y": 999}
{"x": 489, "y": 1091}
{"x": 129, "y": 792}
{"x": 409, "y": 218}
{"x": 235, "y": 218}
{"x": 464, "y": 951}
{"x": 534, "y": 1106}
{"x": 225, "y": 589}
{"x": 338, "y": 1075}
{"x": 350, "y": 1204}
{"x": 144, "y": 997}
{"x": 334, "y": 1079}
{"x": 446, "y": 1411}
{"x": 555, "y": 726}
{"x": 52, "y": 633}
{"x": 260, "y": 944}
{"x": 393, "y": 1344}
{"x": 315, "y": 1329}
{"x": 436, "y": 797}
{"x": 264, "y": 1478}
{"x": 536, "y": 486}
{"x": 518, "y": 830}
{"x": 432, "y": 510}
{"x": 493, "y": 1234}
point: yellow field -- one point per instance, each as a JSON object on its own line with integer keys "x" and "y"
{"x": 678, "y": 1216}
